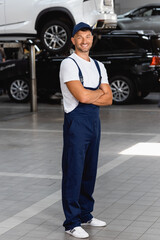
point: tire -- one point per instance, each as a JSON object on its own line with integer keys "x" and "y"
{"x": 55, "y": 37}
{"x": 19, "y": 90}
{"x": 123, "y": 90}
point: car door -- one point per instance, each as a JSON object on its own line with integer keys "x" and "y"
{"x": 2, "y": 16}
{"x": 17, "y": 14}
{"x": 155, "y": 19}
{"x": 146, "y": 19}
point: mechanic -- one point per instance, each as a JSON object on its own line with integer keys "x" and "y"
{"x": 84, "y": 85}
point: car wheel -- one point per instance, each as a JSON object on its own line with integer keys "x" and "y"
{"x": 123, "y": 90}
{"x": 55, "y": 37}
{"x": 19, "y": 90}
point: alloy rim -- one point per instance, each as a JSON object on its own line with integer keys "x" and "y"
{"x": 55, "y": 37}
{"x": 120, "y": 90}
{"x": 19, "y": 90}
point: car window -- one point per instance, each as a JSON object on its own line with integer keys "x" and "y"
{"x": 156, "y": 12}
{"x": 143, "y": 12}
{"x": 150, "y": 44}
{"x": 116, "y": 44}
{"x": 102, "y": 44}
{"x": 147, "y": 13}
{"x": 125, "y": 43}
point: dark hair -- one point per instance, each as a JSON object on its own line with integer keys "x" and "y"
{"x": 85, "y": 29}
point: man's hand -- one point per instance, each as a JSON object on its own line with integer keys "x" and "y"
{"x": 106, "y": 98}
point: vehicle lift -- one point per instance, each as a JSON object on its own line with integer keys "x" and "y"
{"x": 18, "y": 42}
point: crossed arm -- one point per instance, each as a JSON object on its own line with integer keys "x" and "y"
{"x": 99, "y": 97}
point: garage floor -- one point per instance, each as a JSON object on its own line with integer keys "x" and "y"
{"x": 127, "y": 191}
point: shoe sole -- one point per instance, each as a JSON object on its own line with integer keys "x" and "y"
{"x": 88, "y": 224}
{"x": 76, "y": 237}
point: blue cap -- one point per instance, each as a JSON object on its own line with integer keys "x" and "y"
{"x": 80, "y": 26}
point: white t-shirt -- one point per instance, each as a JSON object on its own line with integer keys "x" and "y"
{"x": 70, "y": 72}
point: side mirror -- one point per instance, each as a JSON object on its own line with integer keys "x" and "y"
{"x": 130, "y": 15}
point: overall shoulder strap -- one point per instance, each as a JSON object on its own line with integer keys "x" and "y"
{"x": 99, "y": 70}
{"x": 1, "y": 58}
{"x": 80, "y": 72}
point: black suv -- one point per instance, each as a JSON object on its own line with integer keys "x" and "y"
{"x": 132, "y": 62}
{"x": 130, "y": 57}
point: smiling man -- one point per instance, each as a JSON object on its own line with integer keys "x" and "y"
{"x": 85, "y": 87}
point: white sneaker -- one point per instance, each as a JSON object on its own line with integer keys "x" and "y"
{"x": 95, "y": 223}
{"x": 78, "y": 232}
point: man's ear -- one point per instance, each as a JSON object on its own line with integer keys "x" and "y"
{"x": 73, "y": 41}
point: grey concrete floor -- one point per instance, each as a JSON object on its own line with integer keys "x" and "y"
{"x": 127, "y": 190}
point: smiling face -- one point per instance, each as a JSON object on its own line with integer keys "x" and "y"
{"x": 83, "y": 41}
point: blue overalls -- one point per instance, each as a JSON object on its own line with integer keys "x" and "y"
{"x": 81, "y": 134}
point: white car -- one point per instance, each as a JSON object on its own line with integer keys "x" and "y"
{"x": 53, "y": 20}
